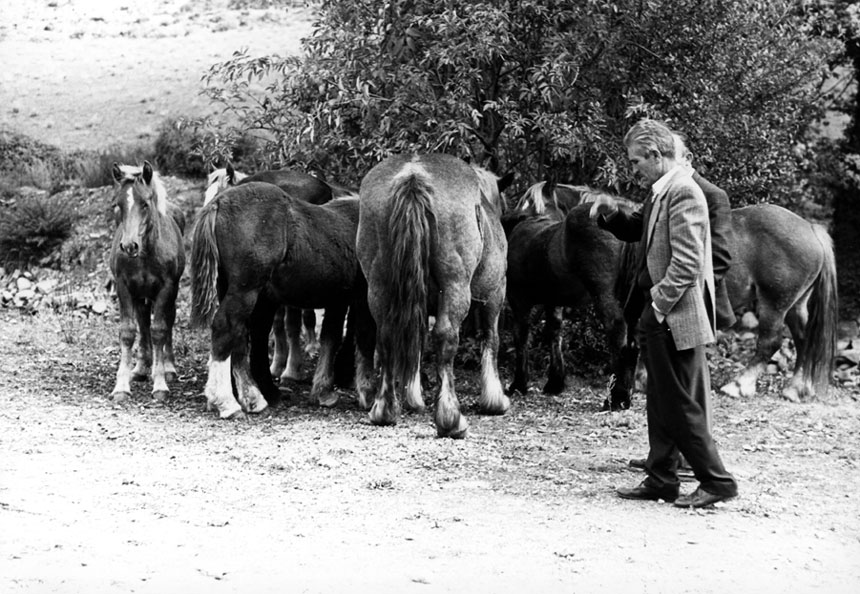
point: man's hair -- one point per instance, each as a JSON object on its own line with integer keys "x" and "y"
{"x": 682, "y": 153}
{"x": 651, "y": 135}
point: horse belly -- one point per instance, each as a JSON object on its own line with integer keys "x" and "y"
{"x": 311, "y": 290}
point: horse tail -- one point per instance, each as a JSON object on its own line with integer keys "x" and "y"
{"x": 410, "y": 224}
{"x": 204, "y": 267}
{"x": 816, "y": 360}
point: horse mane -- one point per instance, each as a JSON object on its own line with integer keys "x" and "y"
{"x": 218, "y": 180}
{"x": 132, "y": 173}
{"x": 488, "y": 182}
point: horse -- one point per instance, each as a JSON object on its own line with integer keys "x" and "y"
{"x": 557, "y": 257}
{"x": 147, "y": 259}
{"x": 257, "y": 247}
{"x": 783, "y": 268}
{"x": 287, "y": 357}
{"x": 430, "y": 241}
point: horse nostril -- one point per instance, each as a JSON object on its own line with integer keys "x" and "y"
{"x": 130, "y": 248}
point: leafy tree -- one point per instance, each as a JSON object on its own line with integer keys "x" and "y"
{"x": 543, "y": 88}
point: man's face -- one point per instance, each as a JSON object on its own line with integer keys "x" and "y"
{"x": 647, "y": 165}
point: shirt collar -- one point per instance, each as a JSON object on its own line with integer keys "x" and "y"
{"x": 660, "y": 185}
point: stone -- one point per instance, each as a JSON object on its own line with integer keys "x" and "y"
{"x": 749, "y": 321}
{"x": 23, "y": 283}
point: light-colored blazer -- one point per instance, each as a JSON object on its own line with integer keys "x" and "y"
{"x": 679, "y": 261}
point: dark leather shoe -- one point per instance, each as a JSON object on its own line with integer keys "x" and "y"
{"x": 700, "y": 498}
{"x": 646, "y": 492}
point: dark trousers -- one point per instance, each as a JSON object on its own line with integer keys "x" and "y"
{"x": 677, "y": 406}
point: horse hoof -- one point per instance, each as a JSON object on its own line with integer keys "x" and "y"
{"x": 732, "y": 390}
{"x": 239, "y": 415}
{"x": 381, "y": 415}
{"x": 553, "y": 387}
{"x": 516, "y": 388}
{"x": 457, "y": 433}
{"x": 160, "y": 395}
{"x": 791, "y": 394}
{"x": 328, "y": 400}
{"x": 120, "y": 397}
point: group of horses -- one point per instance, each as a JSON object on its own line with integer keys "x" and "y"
{"x": 427, "y": 237}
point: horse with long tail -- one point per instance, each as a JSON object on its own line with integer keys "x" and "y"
{"x": 255, "y": 248}
{"x": 430, "y": 242}
{"x": 147, "y": 259}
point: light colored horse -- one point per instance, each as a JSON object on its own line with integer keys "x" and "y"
{"x": 430, "y": 242}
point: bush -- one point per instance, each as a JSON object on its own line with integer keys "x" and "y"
{"x": 94, "y": 169}
{"x": 32, "y": 227}
{"x": 175, "y": 149}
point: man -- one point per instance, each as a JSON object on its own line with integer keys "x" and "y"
{"x": 674, "y": 290}
{"x": 720, "y": 216}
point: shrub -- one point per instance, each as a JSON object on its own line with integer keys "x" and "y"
{"x": 175, "y": 149}
{"x": 94, "y": 169}
{"x": 32, "y": 227}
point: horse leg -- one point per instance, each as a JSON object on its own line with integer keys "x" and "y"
{"x": 261, "y": 321}
{"x": 344, "y": 362}
{"x": 555, "y": 374}
{"x": 521, "y": 313}
{"x": 230, "y": 342}
{"x": 158, "y": 337}
{"x": 622, "y": 356}
{"x": 322, "y": 389}
{"x": 493, "y": 399}
{"x": 279, "y": 356}
{"x": 309, "y": 324}
{"x": 769, "y": 340}
{"x": 453, "y": 307}
{"x": 169, "y": 357}
{"x": 293, "y": 370}
{"x": 800, "y": 386}
{"x": 365, "y": 344}
{"x": 127, "y": 331}
{"x": 143, "y": 366}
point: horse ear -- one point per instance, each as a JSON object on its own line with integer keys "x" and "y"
{"x": 116, "y": 172}
{"x": 231, "y": 174}
{"x": 505, "y": 181}
{"x": 147, "y": 172}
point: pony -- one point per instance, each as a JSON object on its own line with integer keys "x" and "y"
{"x": 147, "y": 259}
{"x": 557, "y": 257}
{"x": 784, "y": 269}
{"x": 257, "y": 247}
{"x": 287, "y": 356}
{"x": 430, "y": 241}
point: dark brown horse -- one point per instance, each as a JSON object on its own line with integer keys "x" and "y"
{"x": 147, "y": 259}
{"x": 287, "y": 357}
{"x": 557, "y": 257}
{"x": 430, "y": 242}
{"x": 255, "y": 248}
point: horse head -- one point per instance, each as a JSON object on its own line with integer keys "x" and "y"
{"x": 492, "y": 187}
{"x": 219, "y": 180}
{"x": 139, "y": 197}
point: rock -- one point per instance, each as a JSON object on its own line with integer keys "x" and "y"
{"x": 26, "y": 295}
{"x": 46, "y": 286}
{"x": 23, "y": 283}
{"x": 6, "y": 296}
{"x": 99, "y": 307}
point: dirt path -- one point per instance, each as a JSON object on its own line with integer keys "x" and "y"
{"x": 95, "y": 497}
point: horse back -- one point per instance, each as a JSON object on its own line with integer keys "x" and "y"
{"x": 298, "y": 184}
{"x": 774, "y": 252}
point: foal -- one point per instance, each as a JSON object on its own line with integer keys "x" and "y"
{"x": 147, "y": 259}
